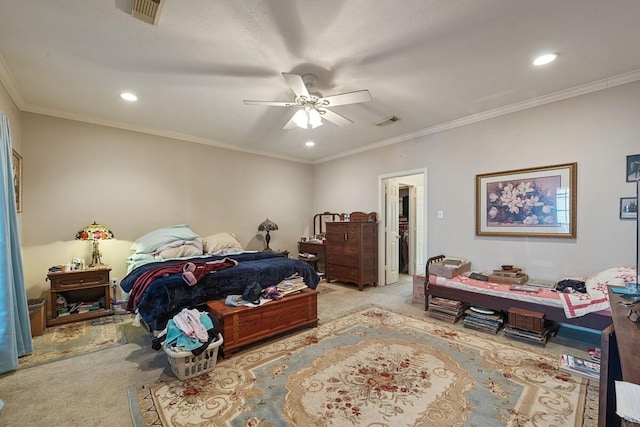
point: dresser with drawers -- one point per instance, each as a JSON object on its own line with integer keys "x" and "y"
{"x": 352, "y": 252}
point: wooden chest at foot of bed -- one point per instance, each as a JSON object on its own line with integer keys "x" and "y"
{"x": 242, "y": 326}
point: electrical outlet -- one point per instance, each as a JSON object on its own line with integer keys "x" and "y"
{"x": 114, "y": 282}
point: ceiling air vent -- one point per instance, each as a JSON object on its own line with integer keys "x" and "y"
{"x": 387, "y": 121}
{"x": 147, "y": 10}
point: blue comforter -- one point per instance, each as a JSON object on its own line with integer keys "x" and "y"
{"x": 167, "y": 295}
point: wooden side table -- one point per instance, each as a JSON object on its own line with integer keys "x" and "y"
{"x": 317, "y": 249}
{"x": 79, "y": 286}
{"x": 310, "y": 259}
{"x": 620, "y": 344}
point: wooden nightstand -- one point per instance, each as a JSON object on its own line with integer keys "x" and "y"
{"x": 79, "y": 286}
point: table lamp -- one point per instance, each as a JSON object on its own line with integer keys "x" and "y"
{"x": 267, "y": 225}
{"x": 95, "y": 232}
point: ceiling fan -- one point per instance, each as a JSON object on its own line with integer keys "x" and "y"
{"x": 312, "y": 106}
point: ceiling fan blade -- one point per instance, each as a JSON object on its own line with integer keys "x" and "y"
{"x": 270, "y": 103}
{"x": 335, "y": 118}
{"x": 347, "y": 98}
{"x": 296, "y": 84}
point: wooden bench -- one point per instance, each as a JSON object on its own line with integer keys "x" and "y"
{"x": 242, "y": 326}
{"x": 555, "y": 313}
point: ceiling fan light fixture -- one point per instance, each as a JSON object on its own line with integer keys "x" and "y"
{"x": 312, "y": 105}
{"x": 314, "y": 118}
{"x": 300, "y": 119}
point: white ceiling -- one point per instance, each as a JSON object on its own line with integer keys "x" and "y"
{"x": 432, "y": 63}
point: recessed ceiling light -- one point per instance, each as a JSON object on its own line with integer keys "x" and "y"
{"x": 309, "y": 143}
{"x": 128, "y": 96}
{"x": 545, "y": 59}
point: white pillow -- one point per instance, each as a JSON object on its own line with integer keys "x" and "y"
{"x": 179, "y": 252}
{"x": 217, "y": 242}
{"x": 136, "y": 260}
{"x": 151, "y": 242}
{"x": 196, "y": 243}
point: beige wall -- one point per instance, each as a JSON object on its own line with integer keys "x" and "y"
{"x": 75, "y": 173}
{"x": 133, "y": 183}
{"x": 597, "y": 131}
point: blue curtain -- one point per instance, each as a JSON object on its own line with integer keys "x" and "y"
{"x": 15, "y": 329}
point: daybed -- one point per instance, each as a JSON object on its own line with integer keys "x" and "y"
{"x": 499, "y": 297}
{"x": 157, "y": 286}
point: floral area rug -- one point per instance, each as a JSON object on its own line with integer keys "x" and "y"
{"x": 74, "y": 339}
{"x": 373, "y": 367}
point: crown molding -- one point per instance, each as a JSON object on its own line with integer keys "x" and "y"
{"x": 9, "y": 83}
{"x": 607, "y": 83}
{"x": 157, "y": 132}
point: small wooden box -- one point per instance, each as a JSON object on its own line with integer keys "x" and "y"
{"x": 443, "y": 269}
{"x": 515, "y": 280}
{"x": 526, "y": 319}
{"x": 246, "y": 325}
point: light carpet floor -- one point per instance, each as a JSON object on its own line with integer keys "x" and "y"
{"x": 75, "y": 339}
{"x": 91, "y": 389}
{"x": 373, "y": 367}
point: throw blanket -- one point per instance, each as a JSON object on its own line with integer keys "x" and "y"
{"x": 597, "y": 297}
{"x": 145, "y": 279}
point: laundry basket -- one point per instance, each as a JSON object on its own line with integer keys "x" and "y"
{"x": 185, "y": 365}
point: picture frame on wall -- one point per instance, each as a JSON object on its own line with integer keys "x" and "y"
{"x": 633, "y": 168}
{"x": 17, "y": 179}
{"x": 628, "y": 207}
{"x": 532, "y": 202}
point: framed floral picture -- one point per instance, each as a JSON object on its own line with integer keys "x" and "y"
{"x": 628, "y": 207}
{"x": 534, "y": 202}
{"x": 17, "y": 179}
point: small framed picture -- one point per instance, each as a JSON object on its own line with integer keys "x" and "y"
{"x": 633, "y": 168}
{"x": 628, "y": 207}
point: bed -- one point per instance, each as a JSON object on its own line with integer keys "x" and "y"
{"x": 591, "y": 313}
{"x": 156, "y": 285}
{"x": 168, "y": 294}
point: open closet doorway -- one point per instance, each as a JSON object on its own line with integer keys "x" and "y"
{"x": 402, "y": 231}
